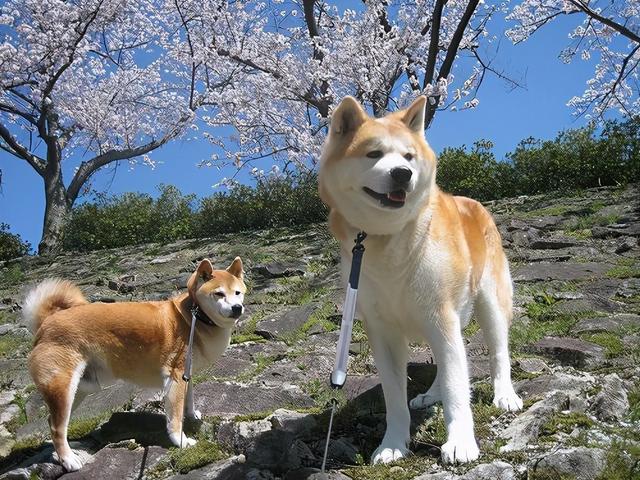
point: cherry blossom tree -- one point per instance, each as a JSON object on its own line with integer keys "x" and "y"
{"x": 96, "y": 82}
{"x": 303, "y": 56}
{"x": 609, "y": 32}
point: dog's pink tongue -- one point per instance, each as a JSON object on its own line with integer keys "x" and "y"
{"x": 397, "y": 196}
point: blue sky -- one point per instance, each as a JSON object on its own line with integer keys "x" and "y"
{"x": 503, "y": 116}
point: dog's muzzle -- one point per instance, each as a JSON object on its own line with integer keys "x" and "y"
{"x": 236, "y": 311}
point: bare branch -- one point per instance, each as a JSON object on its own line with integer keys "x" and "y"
{"x": 19, "y": 151}
{"x": 621, "y": 29}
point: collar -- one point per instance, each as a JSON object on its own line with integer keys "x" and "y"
{"x": 199, "y": 314}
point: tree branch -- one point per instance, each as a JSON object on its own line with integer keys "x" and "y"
{"x": 433, "y": 43}
{"x": 445, "y": 68}
{"x": 621, "y": 29}
{"x": 89, "y": 167}
{"x": 21, "y": 152}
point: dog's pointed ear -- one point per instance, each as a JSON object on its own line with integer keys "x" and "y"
{"x": 205, "y": 270}
{"x": 235, "y": 268}
{"x": 347, "y": 117}
{"x": 413, "y": 116}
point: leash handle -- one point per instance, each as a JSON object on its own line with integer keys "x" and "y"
{"x": 186, "y": 376}
{"x": 339, "y": 373}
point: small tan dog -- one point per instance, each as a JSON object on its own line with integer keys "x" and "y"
{"x": 80, "y": 346}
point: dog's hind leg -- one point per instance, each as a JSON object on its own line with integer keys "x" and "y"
{"x": 494, "y": 311}
{"x": 57, "y": 372}
{"x": 174, "y": 403}
{"x": 390, "y": 351}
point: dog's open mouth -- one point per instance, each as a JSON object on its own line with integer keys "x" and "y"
{"x": 394, "y": 199}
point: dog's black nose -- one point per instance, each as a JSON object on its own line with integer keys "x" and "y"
{"x": 236, "y": 310}
{"x": 401, "y": 174}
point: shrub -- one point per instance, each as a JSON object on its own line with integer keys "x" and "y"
{"x": 11, "y": 245}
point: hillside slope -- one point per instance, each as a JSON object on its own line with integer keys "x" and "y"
{"x": 575, "y": 353}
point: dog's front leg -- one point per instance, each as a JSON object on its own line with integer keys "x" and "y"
{"x": 390, "y": 350}
{"x": 190, "y": 409}
{"x": 174, "y": 409}
{"x": 445, "y": 339}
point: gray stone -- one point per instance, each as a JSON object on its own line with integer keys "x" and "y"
{"x": 279, "y": 269}
{"x": 229, "y": 469}
{"x": 240, "y": 435}
{"x": 437, "y": 476}
{"x": 569, "y": 351}
{"x": 532, "y": 365}
{"x": 611, "y": 403}
{"x": 310, "y": 473}
{"x": 552, "y": 243}
{"x": 300, "y": 424}
{"x": 120, "y": 463}
{"x": 540, "y": 272}
{"x": 580, "y": 462}
{"x": 280, "y": 324}
{"x": 230, "y": 399}
{"x": 525, "y": 428}
{"x": 625, "y": 245}
{"x": 342, "y": 451}
{"x": 615, "y": 323}
{"x": 496, "y": 470}
{"x": 525, "y": 238}
{"x": 279, "y": 452}
{"x": 629, "y": 288}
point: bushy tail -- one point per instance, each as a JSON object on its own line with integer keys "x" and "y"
{"x": 48, "y": 297}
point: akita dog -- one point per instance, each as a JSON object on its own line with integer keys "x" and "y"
{"x": 80, "y": 347}
{"x": 431, "y": 260}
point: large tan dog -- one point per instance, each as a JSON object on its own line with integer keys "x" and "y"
{"x": 80, "y": 347}
{"x": 431, "y": 260}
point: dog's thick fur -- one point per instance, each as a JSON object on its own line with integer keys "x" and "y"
{"x": 431, "y": 260}
{"x": 80, "y": 346}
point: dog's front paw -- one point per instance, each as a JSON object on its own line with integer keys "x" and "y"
{"x": 195, "y": 415}
{"x": 181, "y": 440}
{"x": 387, "y": 453}
{"x": 71, "y": 462}
{"x": 461, "y": 450}
{"x": 507, "y": 399}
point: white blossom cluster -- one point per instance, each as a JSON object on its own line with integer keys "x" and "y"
{"x": 609, "y": 33}
{"x": 257, "y": 79}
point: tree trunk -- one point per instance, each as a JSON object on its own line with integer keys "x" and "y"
{"x": 58, "y": 207}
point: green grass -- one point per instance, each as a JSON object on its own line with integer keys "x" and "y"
{"x": 622, "y": 462}
{"x": 247, "y": 333}
{"x": 564, "y": 423}
{"x": 252, "y": 417}
{"x": 404, "y": 469}
{"x": 12, "y": 275}
{"x": 81, "y": 427}
{"x": 262, "y": 362}
{"x": 624, "y": 271}
{"x": 204, "y": 452}
{"x": 612, "y": 343}
{"x": 11, "y": 345}
{"x": 20, "y": 419}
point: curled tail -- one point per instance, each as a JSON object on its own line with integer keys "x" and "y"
{"x": 47, "y": 298}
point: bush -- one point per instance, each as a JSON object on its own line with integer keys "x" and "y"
{"x": 11, "y": 245}
{"x": 135, "y": 218}
{"x": 273, "y": 202}
{"x": 575, "y": 159}
{"x": 130, "y": 219}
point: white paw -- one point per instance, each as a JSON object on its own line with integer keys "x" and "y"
{"x": 195, "y": 415}
{"x": 508, "y": 400}
{"x": 181, "y": 440}
{"x": 462, "y": 450}
{"x": 387, "y": 453}
{"x": 425, "y": 400}
{"x": 71, "y": 462}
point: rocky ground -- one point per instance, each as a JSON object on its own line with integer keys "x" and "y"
{"x": 575, "y": 346}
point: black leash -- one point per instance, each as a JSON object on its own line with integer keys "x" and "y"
{"x": 339, "y": 373}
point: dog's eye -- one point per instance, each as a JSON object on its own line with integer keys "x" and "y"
{"x": 219, "y": 294}
{"x": 408, "y": 156}
{"x": 237, "y": 292}
{"x": 375, "y": 154}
